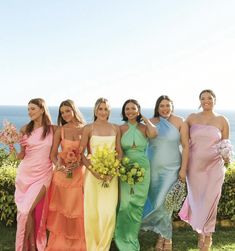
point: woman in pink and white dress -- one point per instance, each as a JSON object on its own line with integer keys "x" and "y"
{"x": 206, "y": 170}
{"x": 33, "y": 178}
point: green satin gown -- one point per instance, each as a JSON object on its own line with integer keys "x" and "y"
{"x": 131, "y": 206}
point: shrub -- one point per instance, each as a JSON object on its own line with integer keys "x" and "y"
{"x": 7, "y": 188}
{"x": 3, "y": 156}
{"x": 226, "y": 209}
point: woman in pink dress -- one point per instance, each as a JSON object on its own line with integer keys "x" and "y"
{"x": 65, "y": 219}
{"x": 205, "y": 170}
{"x": 33, "y": 177}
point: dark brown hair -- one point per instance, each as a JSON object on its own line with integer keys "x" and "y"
{"x": 209, "y": 91}
{"x": 159, "y": 100}
{"x": 124, "y": 117}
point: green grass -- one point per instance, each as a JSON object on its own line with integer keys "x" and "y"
{"x": 184, "y": 239}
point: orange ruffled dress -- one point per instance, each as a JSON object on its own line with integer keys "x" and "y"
{"x": 66, "y": 214}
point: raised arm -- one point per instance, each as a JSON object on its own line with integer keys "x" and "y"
{"x": 21, "y": 153}
{"x": 151, "y": 131}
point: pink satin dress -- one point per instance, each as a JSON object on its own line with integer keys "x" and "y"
{"x": 34, "y": 172}
{"x": 204, "y": 179}
{"x": 66, "y": 213}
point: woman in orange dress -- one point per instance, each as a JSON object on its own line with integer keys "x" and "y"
{"x": 65, "y": 216}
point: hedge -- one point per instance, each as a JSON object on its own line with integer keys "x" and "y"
{"x": 226, "y": 209}
{"x": 7, "y": 188}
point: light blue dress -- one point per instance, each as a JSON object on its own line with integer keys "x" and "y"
{"x": 165, "y": 160}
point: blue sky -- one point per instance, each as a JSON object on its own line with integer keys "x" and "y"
{"x": 83, "y": 50}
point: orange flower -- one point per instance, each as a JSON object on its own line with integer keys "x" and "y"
{"x": 70, "y": 159}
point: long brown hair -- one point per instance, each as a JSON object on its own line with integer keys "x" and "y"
{"x": 46, "y": 118}
{"x": 77, "y": 114}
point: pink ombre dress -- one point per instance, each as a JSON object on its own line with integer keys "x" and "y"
{"x": 205, "y": 179}
{"x": 34, "y": 172}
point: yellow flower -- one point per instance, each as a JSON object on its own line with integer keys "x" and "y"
{"x": 104, "y": 162}
{"x": 131, "y": 172}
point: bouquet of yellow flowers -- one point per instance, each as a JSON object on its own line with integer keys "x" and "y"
{"x": 131, "y": 172}
{"x": 104, "y": 162}
{"x": 70, "y": 160}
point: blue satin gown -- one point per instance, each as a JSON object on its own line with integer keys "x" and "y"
{"x": 165, "y": 160}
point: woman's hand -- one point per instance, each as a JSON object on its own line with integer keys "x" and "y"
{"x": 12, "y": 148}
{"x": 227, "y": 161}
{"x": 59, "y": 166}
{"x": 182, "y": 175}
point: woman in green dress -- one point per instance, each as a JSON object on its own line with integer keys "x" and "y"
{"x": 134, "y": 141}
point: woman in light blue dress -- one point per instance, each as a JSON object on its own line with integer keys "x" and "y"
{"x": 168, "y": 163}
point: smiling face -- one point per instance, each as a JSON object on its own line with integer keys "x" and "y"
{"x": 165, "y": 108}
{"x": 35, "y": 112}
{"x": 207, "y": 101}
{"x": 102, "y": 112}
{"x": 67, "y": 113}
{"x": 131, "y": 111}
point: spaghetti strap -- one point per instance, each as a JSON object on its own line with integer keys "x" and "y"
{"x": 114, "y": 128}
{"x": 62, "y": 132}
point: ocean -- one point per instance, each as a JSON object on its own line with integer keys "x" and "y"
{"x": 18, "y": 115}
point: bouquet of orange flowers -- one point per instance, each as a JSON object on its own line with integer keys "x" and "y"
{"x": 104, "y": 162}
{"x": 70, "y": 160}
{"x": 131, "y": 172}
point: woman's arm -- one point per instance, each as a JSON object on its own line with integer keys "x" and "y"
{"x": 118, "y": 142}
{"x": 55, "y": 146}
{"x": 21, "y": 153}
{"x": 184, "y": 138}
{"x": 84, "y": 145}
{"x": 151, "y": 131}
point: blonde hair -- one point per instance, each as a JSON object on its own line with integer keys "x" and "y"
{"x": 98, "y": 102}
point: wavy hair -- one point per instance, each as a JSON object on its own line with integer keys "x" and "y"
{"x": 77, "y": 114}
{"x": 46, "y": 118}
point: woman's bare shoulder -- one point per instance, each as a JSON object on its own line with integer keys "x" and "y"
{"x": 123, "y": 128}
